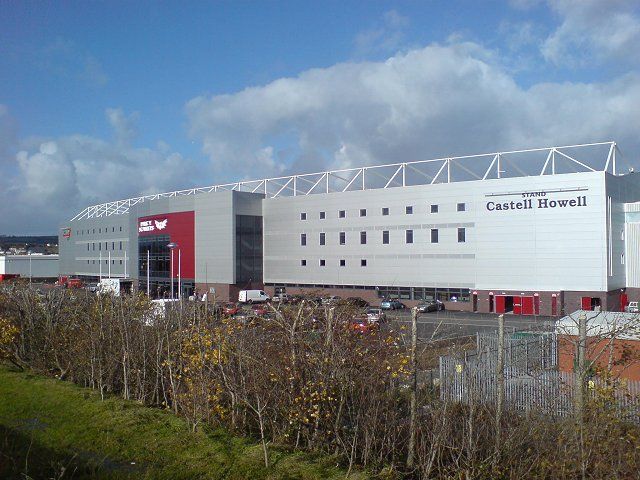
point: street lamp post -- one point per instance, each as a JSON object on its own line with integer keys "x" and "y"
{"x": 171, "y": 247}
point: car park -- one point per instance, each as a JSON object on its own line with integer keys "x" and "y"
{"x": 259, "y": 309}
{"x": 361, "y": 324}
{"x": 253, "y": 296}
{"x": 281, "y": 298}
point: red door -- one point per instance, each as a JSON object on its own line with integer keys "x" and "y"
{"x": 586, "y": 303}
{"x": 527, "y": 305}
{"x": 554, "y": 306}
{"x": 499, "y": 303}
{"x": 517, "y": 305}
{"x": 624, "y": 301}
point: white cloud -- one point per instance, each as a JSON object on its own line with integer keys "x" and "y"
{"x": 386, "y": 37}
{"x": 593, "y": 32}
{"x": 56, "y": 178}
{"x": 438, "y": 100}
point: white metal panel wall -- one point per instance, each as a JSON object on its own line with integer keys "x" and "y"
{"x": 632, "y": 254}
{"x": 36, "y": 266}
{"x": 534, "y": 249}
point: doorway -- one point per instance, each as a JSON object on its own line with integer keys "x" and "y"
{"x": 475, "y": 302}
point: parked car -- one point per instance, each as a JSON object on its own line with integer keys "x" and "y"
{"x": 357, "y": 302}
{"x": 433, "y": 306}
{"x": 333, "y": 299}
{"x": 632, "y": 307}
{"x": 253, "y": 296}
{"x": 361, "y": 324}
{"x": 392, "y": 305}
{"x": 231, "y": 308}
{"x": 260, "y": 309}
{"x": 376, "y": 315}
{"x": 281, "y": 297}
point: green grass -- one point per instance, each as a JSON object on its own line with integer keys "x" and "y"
{"x": 53, "y": 429}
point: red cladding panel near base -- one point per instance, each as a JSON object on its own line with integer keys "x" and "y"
{"x": 180, "y": 227}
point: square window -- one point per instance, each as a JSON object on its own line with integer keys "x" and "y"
{"x": 408, "y": 210}
{"x": 323, "y": 215}
{"x": 363, "y": 262}
{"x": 342, "y": 213}
{"x": 322, "y": 239}
{"x": 462, "y": 235}
{"x": 303, "y": 263}
{"x": 409, "y": 236}
{"x": 343, "y": 238}
{"x": 385, "y": 211}
{"x": 363, "y": 212}
{"x": 385, "y": 237}
{"x": 363, "y": 238}
{"x": 322, "y": 262}
{"x": 434, "y": 235}
{"x": 303, "y": 239}
{"x": 343, "y": 263}
{"x": 462, "y": 207}
{"x": 303, "y": 216}
{"x": 434, "y": 208}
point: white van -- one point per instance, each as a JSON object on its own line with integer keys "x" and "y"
{"x": 253, "y": 296}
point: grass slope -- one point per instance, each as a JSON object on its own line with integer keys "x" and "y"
{"x": 52, "y": 429}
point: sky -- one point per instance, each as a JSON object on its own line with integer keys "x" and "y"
{"x": 107, "y": 100}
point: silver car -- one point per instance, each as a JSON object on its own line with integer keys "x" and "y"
{"x": 376, "y": 315}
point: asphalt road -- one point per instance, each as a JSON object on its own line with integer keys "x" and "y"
{"x": 446, "y": 324}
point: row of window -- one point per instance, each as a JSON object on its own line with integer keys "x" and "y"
{"x": 402, "y": 293}
{"x": 106, "y": 246}
{"x": 342, "y": 263}
{"x": 106, "y": 262}
{"x": 93, "y": 231}
{"x": 408, "y": 237}
{"x": 408, "y": 210}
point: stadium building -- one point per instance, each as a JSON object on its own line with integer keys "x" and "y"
{"x": 537, "y": 231}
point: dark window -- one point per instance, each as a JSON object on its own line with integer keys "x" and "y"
{"x": 363, "y": 238}
{"x": 94, "y": 246}
{"x": 408, "y": 210}
{"x": 462, "y": 235}
{"x": 106, "y": 245}
{"x": 113, "y": 229}
{"x": 363, "y": 262}
{"x": 322, "y": 262}
{"x": 120, "y": 245}
{"x": 100, "y": 246}
{"x": 322, "y": 215}
{"x": 462, "y": 207}
{"x": 343, "y": 238}
{"x": 303, "y": 263}
{"x": 322, "y": 239}
{"x": 409, "y": 236}
{"x": 120, "y": 262}
{"x": 87, "y": 247}
{"x": 363, "y": 212}
{"x": 248, "y": 248}
{"x": 303, "y": 216}
{"x": 99, "y": 230}
{"x": 385, "y": 210}
{"x": 120, "y": 228}
{"x": 113, "y": 245}
{"x": 87, "y": 262}
{"x": 343, "y": 263}
{"x": 94, "y": 230}
{"x": 434, "y": 208}
{"x": 385, "y": 237}
{"x": 342, "y": 213}
{"x": 303, "y": 239}
{"x": 434, "y": 235}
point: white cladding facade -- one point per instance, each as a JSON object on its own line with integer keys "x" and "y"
{"x": 29, "y": 266}
{"x": 543, "y": 233}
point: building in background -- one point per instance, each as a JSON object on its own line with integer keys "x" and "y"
{"x": 529, "y": 232}
{"x": 35, "y": 267}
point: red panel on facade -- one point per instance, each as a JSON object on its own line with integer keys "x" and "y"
{"x": 180, "y": 227}
{"x": 554, "y": 305}
{"x": 527, "y": 305}
{"x": 517, "y": 305}
{"x": 624, "y": 301}
{"x": 536, "y": 305}
{"x": 586, "y": 303}
{"x": 499, "y": 303}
